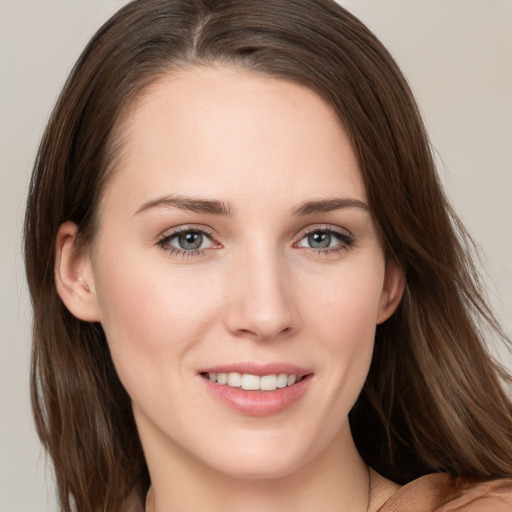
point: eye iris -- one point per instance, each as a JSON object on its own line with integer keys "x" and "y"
{"x": 319, "y": 240}
{"x": 190, "y": 240}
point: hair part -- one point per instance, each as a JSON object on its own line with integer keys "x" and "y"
{"x": 433, "y": 400}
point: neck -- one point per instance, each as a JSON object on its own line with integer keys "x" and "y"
{"x": 335, "y": 480}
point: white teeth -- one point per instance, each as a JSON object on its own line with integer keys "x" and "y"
{"x": 268, "y": 382}
{"x": 282, "y": 380}
{"x": 251, "y": 382}
{"x": 234, "y": 380}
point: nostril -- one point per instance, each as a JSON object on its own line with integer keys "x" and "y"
{"x": 262, "y": 333}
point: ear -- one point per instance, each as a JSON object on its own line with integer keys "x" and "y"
{"x": 74, "y": 278}
{"x": 392, "y": 291}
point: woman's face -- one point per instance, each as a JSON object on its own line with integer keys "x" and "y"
{"x": 235, "y": 243}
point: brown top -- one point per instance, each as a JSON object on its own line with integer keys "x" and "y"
{"x": 443, "y": 493}
{"x": 433, "y": 493}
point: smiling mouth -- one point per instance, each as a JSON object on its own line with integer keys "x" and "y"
{"x": 250, "y": 382}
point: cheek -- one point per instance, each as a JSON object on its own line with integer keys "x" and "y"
{"x": 350, "y": 308}
{"x": 347, "y": 317}
{"x": 151, "y": 316}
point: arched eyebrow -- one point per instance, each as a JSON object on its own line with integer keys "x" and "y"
{"x": 328, "y": 205}
{"x": 215, "y": 207}
{"x": 191, "y": 204}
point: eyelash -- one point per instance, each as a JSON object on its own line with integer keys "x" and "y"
{"x": 346, "y": 241}
{"x": 165, "y": 244}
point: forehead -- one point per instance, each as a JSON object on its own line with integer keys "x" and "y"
{"x": 219, "y": 131}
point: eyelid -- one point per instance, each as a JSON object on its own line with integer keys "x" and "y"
{"x": 328, "y": 228}
{"x": 170, "y": 232}
{"x": 163, "y": 239}
{"x": 346, "y": 238}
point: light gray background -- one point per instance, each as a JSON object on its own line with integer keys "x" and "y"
{"x": 457, "y": 55}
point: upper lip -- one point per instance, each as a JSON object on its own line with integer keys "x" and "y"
{"x": 259, "y": 369}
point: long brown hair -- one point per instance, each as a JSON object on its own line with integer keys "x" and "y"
{"x": 433, "y": 400}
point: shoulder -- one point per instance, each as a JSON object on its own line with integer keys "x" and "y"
{"x": 443, "y": 493}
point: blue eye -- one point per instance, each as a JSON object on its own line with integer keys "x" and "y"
{"x": 322, "y": 239}
{"x": 186, "y": 240}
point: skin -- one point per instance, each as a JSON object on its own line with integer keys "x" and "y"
{"x": 256, "y": 291}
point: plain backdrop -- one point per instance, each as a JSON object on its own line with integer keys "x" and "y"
{"x": 457, "y": 56}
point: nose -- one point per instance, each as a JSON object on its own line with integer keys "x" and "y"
{"x": 261, "y": 303}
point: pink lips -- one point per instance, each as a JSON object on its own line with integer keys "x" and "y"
{"x": 258, "y": 403}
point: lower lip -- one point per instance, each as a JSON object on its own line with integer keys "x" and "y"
{"x": 258, "y": 403}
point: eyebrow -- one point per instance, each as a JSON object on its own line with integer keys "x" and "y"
{"x": 328, "y": 205}
{"x": 214, "y": 207}
{"x": 191, "y": 204}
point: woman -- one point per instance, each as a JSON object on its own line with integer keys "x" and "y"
{"x": 248, "y": 287}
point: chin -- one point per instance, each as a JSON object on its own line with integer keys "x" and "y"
{"x": 260, "y": 469}
{"x": 262, "y": 459}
